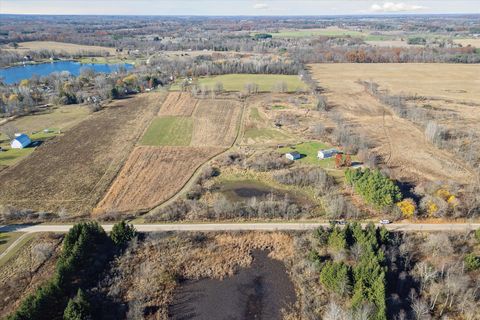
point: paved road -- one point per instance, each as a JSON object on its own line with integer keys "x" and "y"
{"x": 456, "y": 227}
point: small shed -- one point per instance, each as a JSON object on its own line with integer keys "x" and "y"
{"x": 294, "y": 155}
{"x": 327, "y": 153}
{"x": 21, "y": 141}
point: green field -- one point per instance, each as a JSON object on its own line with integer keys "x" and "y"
{"x": 266, "y": 82}
{"x": 169, "y": 131}
{"x": 265, "y": 134}
{"x": 255, "y": 114}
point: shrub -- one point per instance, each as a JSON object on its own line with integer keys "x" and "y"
{"x": 472, "y": 262}
{"x": 408, "y": 207}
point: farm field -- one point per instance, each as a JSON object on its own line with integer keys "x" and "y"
{"x": 178, "y": 104}
{"x": 266, "y": 82}
{"x": 72, "y": 171}
{"x": 330, "y": 31}
{"x": 152, "y": 175}
{"x": 216, "y": 123}
{"x": 468, "y": 42}
{"x": 169, "y": 131}
{"x": 59, "y": 46}
{"x": 395, "y": 137}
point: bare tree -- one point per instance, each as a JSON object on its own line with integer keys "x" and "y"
{"x": 9, "y": 130}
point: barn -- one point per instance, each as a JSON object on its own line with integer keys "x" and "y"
{"x": 294, "y": 155}
{"x": 327, "y": 153}
{"x": 21, "y": 141}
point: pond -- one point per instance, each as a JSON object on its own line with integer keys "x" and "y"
{"x": 16, "y": 74}
{"x": 260, "y": 291}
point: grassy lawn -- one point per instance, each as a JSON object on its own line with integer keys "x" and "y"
{"x": 169, "y": 131}
{"x": 309, "y": 151}
{"x": 266, "y": 82}
{"x": 11, "y": 156}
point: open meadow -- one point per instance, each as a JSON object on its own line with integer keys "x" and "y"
{"x": 400, "y": 142}
{"x": 265, "y": 82}
{"x": 72, "y": 171}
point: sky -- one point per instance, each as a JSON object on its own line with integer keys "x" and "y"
{"x": 238, "y": 7}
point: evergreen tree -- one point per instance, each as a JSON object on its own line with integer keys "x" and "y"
{"x": 78, "y": 308}
{"x": 122, "y": 233}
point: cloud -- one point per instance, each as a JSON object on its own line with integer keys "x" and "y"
{"x": 395, "y": 7}
{"x": 260, "y": 6}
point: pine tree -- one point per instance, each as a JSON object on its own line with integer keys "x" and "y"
{"x": 78, "y": 308}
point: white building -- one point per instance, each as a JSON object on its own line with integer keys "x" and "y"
{"x": 294, "y": 155}
{"x": 21, "y": 141}
{"x": 327, "y": 153}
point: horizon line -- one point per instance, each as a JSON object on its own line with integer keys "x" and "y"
{"x": 250, "y": 16}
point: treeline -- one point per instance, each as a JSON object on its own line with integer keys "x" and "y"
{"x": 352, "y": 269}
{"x": 10, "y": 57}
{"x": 86, "y": 251}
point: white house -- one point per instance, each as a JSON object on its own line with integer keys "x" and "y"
{"x": 294, "y": 155}
{"x": 21, "y": 141}
{"x": 327, "y": 153}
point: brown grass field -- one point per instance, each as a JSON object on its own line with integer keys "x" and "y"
{"x": 216, "y": 123}
{"x": 178, "y": 104}
{"x": 73, "y": 171}
{"x": 27, "y": 269}
{"x": 152, "y": 175}
{"x": 410, "y": 157}
{"x": 59, "y": 46}
{"x": 468, "y": 42}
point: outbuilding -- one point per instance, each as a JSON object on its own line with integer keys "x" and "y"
{"x": 294, "y": 155}
{"x": 21, "y": 141}
{"x": 327, "y": 153}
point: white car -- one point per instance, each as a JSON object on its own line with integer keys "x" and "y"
{"x": 385, "y": 221}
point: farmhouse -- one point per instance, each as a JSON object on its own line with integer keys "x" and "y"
{"x": 327, "y": 153}
{"x": 294, "y": 155}
{"x": 21, "y": 141}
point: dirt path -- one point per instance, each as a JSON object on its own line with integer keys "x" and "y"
{"x": 400, "y": 143}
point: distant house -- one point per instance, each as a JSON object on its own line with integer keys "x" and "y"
{"x": 294, "y": 155}
{"x": 327, "y": 153}
{"x": 21, "y": 141}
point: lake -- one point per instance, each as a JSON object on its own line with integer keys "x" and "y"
{"x": 16, "y": 74}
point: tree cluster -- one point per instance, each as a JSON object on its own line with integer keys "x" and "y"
{"x": 375, "y": 188}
